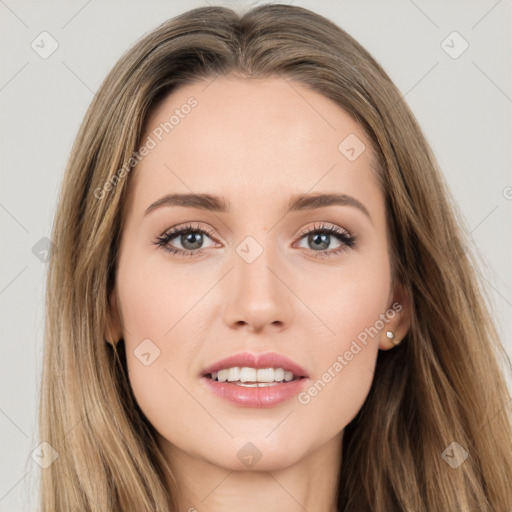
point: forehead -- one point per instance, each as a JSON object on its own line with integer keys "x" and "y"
{"x": 249, "y": 138}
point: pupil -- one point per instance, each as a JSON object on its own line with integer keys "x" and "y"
{"x": 191, "y": 238}
{"x": 314, "y": 238}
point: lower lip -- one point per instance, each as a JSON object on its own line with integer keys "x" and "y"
{"x": 257, "y": 397}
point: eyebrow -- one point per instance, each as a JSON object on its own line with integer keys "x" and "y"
{"x": 297, "y": 202}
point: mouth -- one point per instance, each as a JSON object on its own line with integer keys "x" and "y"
{"x": 250, "y": 380}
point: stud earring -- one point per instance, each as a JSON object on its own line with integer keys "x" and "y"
{"x": 391, "y": 336}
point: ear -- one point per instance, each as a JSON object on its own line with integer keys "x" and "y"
{"x": 399, "y": 318}
{"x": 113, "y": 329}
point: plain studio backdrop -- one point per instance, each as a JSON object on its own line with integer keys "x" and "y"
{"x": 451, "y": 60}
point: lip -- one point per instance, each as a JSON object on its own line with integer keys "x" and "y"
{"x": 267, "y": 360}
{"x": 268, "y": 396}
{"x": 256, "y": 397}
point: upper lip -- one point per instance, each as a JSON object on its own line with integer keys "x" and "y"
{"x": 267, "y": 360}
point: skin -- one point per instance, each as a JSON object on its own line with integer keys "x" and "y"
{"x": 255, "y": 142}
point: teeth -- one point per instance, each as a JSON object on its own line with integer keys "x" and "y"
{"x": 256, "y": 377}
{"x": 265, "y": 375}
{"x": 248, "y": 374}
{"x": 279, "y": 374}
{"x": 233, "y": 374}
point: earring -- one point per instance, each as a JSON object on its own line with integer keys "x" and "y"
{"x": 390, "y": 335}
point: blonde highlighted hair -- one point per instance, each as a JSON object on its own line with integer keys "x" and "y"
{"x": 444, "y": 383}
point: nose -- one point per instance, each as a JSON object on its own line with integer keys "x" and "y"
{"x": 258, "y": 297}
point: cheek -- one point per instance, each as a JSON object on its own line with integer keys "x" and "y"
{"x": 151, "y": 306}
{"x": 145, "y": 298}
{"x": 348, "y": 298}
{"x": 163, "y": 322}
{"x": 157, "y": 297}
{"x": 352, "y": 307}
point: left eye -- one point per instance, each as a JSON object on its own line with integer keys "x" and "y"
{"x": 191, "y": 239}
{"x": 319, "y": 237}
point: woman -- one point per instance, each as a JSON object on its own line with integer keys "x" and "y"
{"x": 260, "y": 297}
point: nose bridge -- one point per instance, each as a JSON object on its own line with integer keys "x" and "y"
{"x": 255, "y": 258}
{"x": 256, "y": 295}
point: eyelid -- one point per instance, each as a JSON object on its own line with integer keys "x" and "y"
{"x": 175, "y": 231}
{"x": 346, "y": 240}
{"x": 323, "y": 226}
{"x": 188, "y": 227}
{"x": 304, "y": 231}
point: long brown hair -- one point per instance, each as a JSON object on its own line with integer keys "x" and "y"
{"x": 443, "y": 384}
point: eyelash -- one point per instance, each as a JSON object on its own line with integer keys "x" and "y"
{"x": 347, "y": 240}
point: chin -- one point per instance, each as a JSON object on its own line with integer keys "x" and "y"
{"x": 254, "y": 455}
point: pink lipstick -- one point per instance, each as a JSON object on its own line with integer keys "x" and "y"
{"x": 249, "y": 380}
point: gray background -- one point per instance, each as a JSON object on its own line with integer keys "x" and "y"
{"x": 463, "y": 105}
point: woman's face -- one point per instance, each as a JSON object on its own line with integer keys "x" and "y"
{"x": 260, "y": 277}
